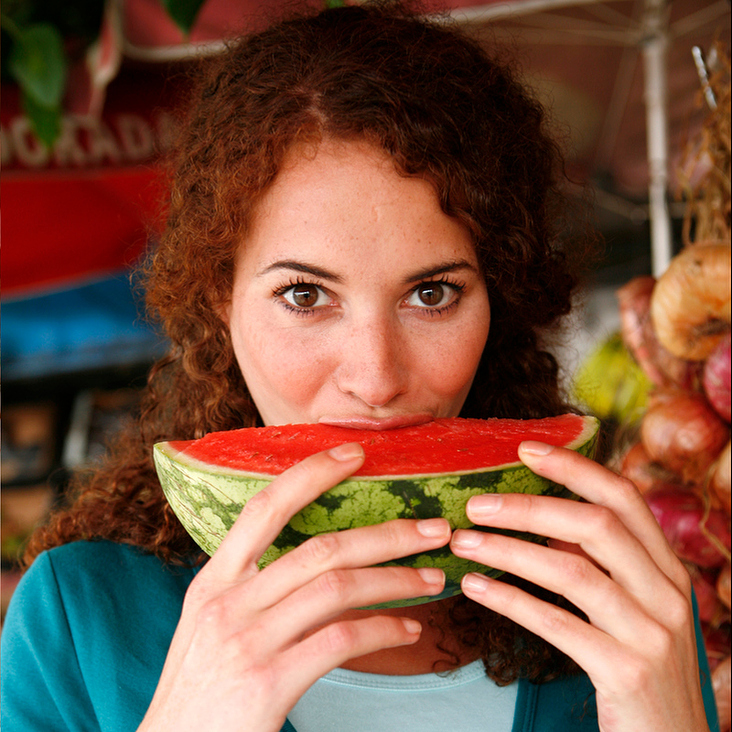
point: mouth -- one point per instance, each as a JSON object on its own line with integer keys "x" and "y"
{"x": 376, "y": 423}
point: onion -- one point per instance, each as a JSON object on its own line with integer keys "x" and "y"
{"x": 716, "y": 643}
{"x": 697, "y": 535}
{"x": 636, "y": 328}
{"x": 721, "y": 678}
{"x": 690, "y": 305}
{"x": 716, "y": 378}
{"x": 705, "y": 589}
{"x": 638, "y": 467}
{"x": 683, "y": 433}
{"x": 723, "y": 585}
{"x": 719, "y": 481}
{"x": 634, "y": 301}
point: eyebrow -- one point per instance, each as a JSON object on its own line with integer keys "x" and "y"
{"x": 302, "y": 267}
{"x": 325, "y": 274}
{"x": 450, "y": 266}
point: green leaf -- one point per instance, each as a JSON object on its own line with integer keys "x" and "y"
{"x": 183, "y": 12}
{"x": 38, "y": 63}
{"x": 45, "y": 120}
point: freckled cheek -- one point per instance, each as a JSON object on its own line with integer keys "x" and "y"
{"x": 276, "y": 365}
{"x": 455, "y": 371}
{"x": 457, "y": 361}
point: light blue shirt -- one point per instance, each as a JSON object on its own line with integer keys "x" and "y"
{"x": 461, "y": 701}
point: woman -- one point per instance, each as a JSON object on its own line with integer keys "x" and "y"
{"x": 362, "y": 231}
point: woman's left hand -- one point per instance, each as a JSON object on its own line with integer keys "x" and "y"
{"x": 609, "y": 558}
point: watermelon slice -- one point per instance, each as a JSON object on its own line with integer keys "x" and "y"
{"x": 425, "y": 471}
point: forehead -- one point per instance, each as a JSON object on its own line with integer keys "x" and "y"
{"x": 349, "y": 195}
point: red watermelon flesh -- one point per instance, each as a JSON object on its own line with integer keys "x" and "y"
{"x": 451, "y": 445}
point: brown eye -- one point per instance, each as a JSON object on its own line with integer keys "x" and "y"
{"x": 431, "y": 293}
{"x": 305, "y": 296}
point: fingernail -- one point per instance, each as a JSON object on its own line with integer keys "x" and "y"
{"x": 532, "y": 447}
{"x": 484, "y": 505}
{"x": 344, "y": 453}
{"x": 475, "y": 582}
{"x": 413, "y": 626}
{"x": 466, "y": 539}
{"x": 432, "y": 575}
{"x": 433, "y": 527}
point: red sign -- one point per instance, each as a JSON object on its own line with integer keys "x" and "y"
{"x": 89, "y": 206}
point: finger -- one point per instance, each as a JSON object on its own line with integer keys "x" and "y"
{"x": 602, "y": 487}
{"x": 337, "y": 643}
{"x": 334, "y": 592}
{"x": 591, "y": 648}
{"x": 361, "y": 547}
{"x": 265, "y": 515}
{"x": 607, "y": 605}
{"x": 621, "y": 673}
{"x": 597, "y": 530}
{"x": 571, "y": 548}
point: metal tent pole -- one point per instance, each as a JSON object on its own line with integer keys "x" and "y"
{"x": 654, "y": 33}
{"x": 654, "y": 45}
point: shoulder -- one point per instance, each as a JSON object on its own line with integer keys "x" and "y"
{"x": 90, "y": 578}
{"x": 106, "y": 559}
{"x": 86, "y": 570}
{"x": 86, "y": 634}
{"x": 87, "y": 581}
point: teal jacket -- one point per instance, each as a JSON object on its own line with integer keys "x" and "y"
{"x": 88, "y": 630}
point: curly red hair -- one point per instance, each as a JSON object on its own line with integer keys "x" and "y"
{"x": 443, "y": 109}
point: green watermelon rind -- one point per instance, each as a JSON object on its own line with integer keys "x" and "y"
{"x": 207, "y": 503}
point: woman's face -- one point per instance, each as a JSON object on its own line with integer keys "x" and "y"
{"x": 356, "y": 300}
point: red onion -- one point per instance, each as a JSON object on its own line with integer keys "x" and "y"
{"x": 694, "y": 536}
{"x": 719, "y": 480}
{"x": 683, "y": 433}
{"x": 634, "y": 301}
{"x": 716, "y": 379}
{"x": 636, "y": 328}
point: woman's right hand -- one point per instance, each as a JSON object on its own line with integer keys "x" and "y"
{"x": 249, "y": 643}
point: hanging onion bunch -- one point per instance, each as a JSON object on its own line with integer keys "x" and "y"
{"x": 677, "y": 327}
{"x": 704, "y": 175}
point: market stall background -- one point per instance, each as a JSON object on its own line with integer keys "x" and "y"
{"x": 78, "y": 215}
{"x": 625, "y": 80}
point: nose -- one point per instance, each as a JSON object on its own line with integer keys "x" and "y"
{"x": 372, "y": 362}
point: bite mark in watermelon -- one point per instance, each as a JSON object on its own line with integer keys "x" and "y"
{"x": 425, "y": 471}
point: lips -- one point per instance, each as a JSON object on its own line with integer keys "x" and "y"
{"x": 373, "y": 423}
